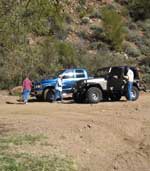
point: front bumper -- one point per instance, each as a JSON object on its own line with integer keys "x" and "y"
{"x": 38, "y": 92}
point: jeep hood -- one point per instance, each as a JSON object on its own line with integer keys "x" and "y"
{"x": 95, "y": 80}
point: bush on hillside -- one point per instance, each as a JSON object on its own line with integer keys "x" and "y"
{"x": 113, "y": 27}
{"x": 105, "y": 59}
{"x": 96, "y": 13}
{"x": 145, "y": 25}
{"x": 139, "y": 9}
{"x": 98, "y": 33}
{"x": 131, "y": 49}
{"x": 133, "y": 26}
{"x": 100, "y": 46}
{"x": 145, "y": 50}
{"x": 39, "y": 61}
{"x": 134, "y": 36}
{"x": 85, "y": 20}
{"x": 145, "y": 65}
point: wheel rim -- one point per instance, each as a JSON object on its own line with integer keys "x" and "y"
{"x": 95, "y": 96}
{"x": 133, "y": 94}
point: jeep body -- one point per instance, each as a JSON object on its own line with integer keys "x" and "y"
{"x": 45, "y": 88}
{"x": 108, "y": 84}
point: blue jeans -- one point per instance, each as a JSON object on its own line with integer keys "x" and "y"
{"x": 130, "y": 85}
{"x": 58, "y": 94}
{"x": 26, "y": 94}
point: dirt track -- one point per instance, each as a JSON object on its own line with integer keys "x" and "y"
{"x": 107, "y": 136}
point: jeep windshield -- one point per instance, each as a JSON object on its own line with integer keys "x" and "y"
{"x": 102, "y": 72}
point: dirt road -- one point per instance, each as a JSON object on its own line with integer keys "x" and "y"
{"x": 107, "y": 136}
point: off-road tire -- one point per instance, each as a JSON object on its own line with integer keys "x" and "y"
{"x": 94, "y": 95}
{"x": 48, "y": 95}
{"x": 135, "y": 92}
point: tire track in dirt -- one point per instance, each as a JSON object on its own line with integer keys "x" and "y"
{"x": 101, "y": 137}
{"x": 131, "y": 161}
{"x": 137, "y": 160}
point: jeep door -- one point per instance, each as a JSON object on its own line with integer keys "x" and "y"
{"x": 115, "y": 79}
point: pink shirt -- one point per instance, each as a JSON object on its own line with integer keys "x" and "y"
{"x": 27, "y": 84}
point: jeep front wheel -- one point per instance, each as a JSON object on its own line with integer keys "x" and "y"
{"x": 94, "y": 95}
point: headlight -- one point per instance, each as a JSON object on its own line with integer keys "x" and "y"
{"x": 38, "y": 86}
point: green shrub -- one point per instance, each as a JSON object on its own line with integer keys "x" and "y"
{"x": 85, "y": 20}
{"x": 81, "y": 10}
{"x": 96, "y": 28}
{"x": 100, "y": 46}
{"x": 145, "y": 66}
{"x": 145, "y": 50}
{"x": 105, "y": 59}
{"x": 38, "y": 60}
{"x": 132, "y": 50}
{"x": 134, "y": 36}
{"x": 145, "y": 25}
{"x": 133, "y": 26}
{"x": 96, "y": 13}
{"x": 98, "y": 34}
{"x": 83, "y": 35}
{"x": 113, "y": 27}
{"x": 139, "y": 9}
{"x": 147, "y": 42}
{"x": 82, "y": 13}
{"x": 82, "y": 2}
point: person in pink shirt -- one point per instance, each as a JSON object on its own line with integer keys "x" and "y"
{"x": 27, "y": 85}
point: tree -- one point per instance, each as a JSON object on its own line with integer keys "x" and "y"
{"x": 18, "y": 20}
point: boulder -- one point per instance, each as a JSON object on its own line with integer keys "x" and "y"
{"x": 16, "y": 90}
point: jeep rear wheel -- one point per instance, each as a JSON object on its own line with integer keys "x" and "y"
{"x": 94, "y": 95}
{"x": 135, "y": 93}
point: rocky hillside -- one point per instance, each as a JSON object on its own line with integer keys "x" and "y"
{"x": 40, "y": 37}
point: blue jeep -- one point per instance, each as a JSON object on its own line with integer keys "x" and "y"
{"x": 45, "y": 89}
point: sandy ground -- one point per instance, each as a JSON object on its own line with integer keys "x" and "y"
{"x": 107, "y": 136}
